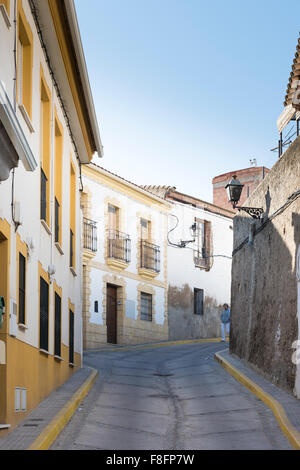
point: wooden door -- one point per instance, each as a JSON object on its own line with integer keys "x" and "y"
{"x": 111, "y": 314}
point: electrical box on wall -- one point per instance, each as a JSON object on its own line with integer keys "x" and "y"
{"x": 13, "y": 318}
{"x": 2, "y": 310}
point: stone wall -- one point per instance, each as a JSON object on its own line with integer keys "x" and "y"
{"x": 184, "y": 324}
{"x": 264, "y": 320}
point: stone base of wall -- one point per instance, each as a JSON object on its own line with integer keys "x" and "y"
{"x": 132, "y": 332}
{"x": 184, "y": 324}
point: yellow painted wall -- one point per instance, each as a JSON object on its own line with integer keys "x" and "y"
{"x": 38, "y": 373}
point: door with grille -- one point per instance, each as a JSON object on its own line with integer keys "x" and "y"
{"x": 111, "y": 314}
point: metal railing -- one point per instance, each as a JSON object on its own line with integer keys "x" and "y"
{"x": 201, "y": 259}
{"x": 89, "y": 234}
{"x": 119, "y": 245}
{"x": 150, "y": 256}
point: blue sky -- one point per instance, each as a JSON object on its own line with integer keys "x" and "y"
{"x": 185, "y": 90}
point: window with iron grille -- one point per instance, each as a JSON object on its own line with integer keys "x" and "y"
{"x": 71, "y": 337}
{"x": 57, "y": 326}
{"x": 57, "y": 207}
{"x": 43, "y": 196}
{"x": 44, "y": 314}
{"x": 146, "y": 306}
{"x": 198, "y": 301}
{"x": 22, "y": 288}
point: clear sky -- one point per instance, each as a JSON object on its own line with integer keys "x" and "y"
{"x": 185, "y": 90}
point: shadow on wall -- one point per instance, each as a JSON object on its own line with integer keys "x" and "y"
{"x": 264, "y": 296}
{"x": 183, "y": 323}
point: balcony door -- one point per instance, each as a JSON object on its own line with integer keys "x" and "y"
{"x": 111, "y": 314}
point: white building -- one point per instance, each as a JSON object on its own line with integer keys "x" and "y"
{"x": 199, "y": 272}
{"x": 47, "y": 130}
{"x": 124, "y": 261}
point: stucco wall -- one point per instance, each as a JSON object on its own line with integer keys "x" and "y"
{"x": 184, "y": 277}
{"x": 264, "y": 289}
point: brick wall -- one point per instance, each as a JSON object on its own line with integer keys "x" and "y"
{"x": 250, "y": 177}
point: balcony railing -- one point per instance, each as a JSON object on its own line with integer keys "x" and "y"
{"x": 119, "y": 245}
{"x": 150, "y": 256}
{"x": 89, "y": 235}
{"x": 201, "y": 259}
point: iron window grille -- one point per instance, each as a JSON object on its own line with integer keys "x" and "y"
{"x": 146, "y": 307}
{"x": 89, "y": 234}
{"x": 150, "y": 256}
{"x": 71, "y": 337}
{"x": 57, "y": 209}
{"x": 57, "y": 327}
{"x": 22, "y": 288}
{"x": 119, "y": 245}
{"x": 44, "y": 314}
{"x": 43, "y": 196}
{"x": 198, "y": 301}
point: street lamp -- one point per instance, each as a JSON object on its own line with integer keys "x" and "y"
{"x": 234, "y": 189}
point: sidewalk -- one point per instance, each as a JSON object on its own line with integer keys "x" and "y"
{"x": 285, "y": 407}
{"x": 25, "y": 434}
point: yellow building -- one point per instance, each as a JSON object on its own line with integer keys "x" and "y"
{"x": 48, "y": 129}
{"x": 124, "y": 261}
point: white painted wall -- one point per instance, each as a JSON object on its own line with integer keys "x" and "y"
{"x": 27, "y": 192}
{"x": 181, "y": 268}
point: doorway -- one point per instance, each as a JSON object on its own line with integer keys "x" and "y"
{"x": 111, "y": 313}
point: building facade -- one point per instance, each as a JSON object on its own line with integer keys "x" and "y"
{"x": 200, "y": 238}
{"x": 265, "y": 314}
{"x": 47, "y": 130}
{"x": 124, "y": 261}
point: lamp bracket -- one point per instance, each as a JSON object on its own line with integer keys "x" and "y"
{"x": 254, "y": 212}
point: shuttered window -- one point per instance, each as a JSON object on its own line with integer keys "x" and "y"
{"x": 71, "y": 337}
{"x": 22, "y": 288}
{"x": 146, "y": 306}
{"x": 198, "y": 301}
{"x": 57, "y": 237}
{"x": 44, "y": 314}
{"x": 43, "y": 196}
{"x": 57, "y": 327}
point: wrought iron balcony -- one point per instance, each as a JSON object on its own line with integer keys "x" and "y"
{"x": 150, "y": 256}
{"x": 119, "y": 245}
{"x": 201, "y": 259}
{"x": 89, "y": 235}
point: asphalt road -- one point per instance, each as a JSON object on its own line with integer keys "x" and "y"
{"x": 168, "y": 398}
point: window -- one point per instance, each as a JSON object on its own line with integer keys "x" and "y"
{"x": 57, "y": 218}
{"x": 145, "y": 229}
{"x": 45, "y": 150}
{"x": 72, "y": 215}
{"x": 57, "y": 326}
{"x": 71, "y": 337}
{"x": 24, "y": 63}
{"x": 58, "y": 149}
{"x": 22, "y": 288}
{"x": 43, "y": 196}
{"x": 96, "y": 306}
{"x": 44, "y": 314}
{"x": 146, "y": 306}
{"x": 113, "y": 217}
{"x": 203, "y": 245}
{"x": 198, "y": 301}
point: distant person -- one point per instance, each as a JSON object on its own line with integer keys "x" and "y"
{"x": 225, "y": 319}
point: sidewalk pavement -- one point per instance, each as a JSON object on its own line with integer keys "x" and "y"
{"x": 285, "y": 406}
{"x": 30, "y": 429}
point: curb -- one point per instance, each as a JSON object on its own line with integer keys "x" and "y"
{"x": 55, "y": 427}
{"x": 156, "y": 345}
{"x": 290, "y": 432}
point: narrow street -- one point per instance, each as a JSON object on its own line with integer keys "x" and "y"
{"x": 168, "y": 398}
